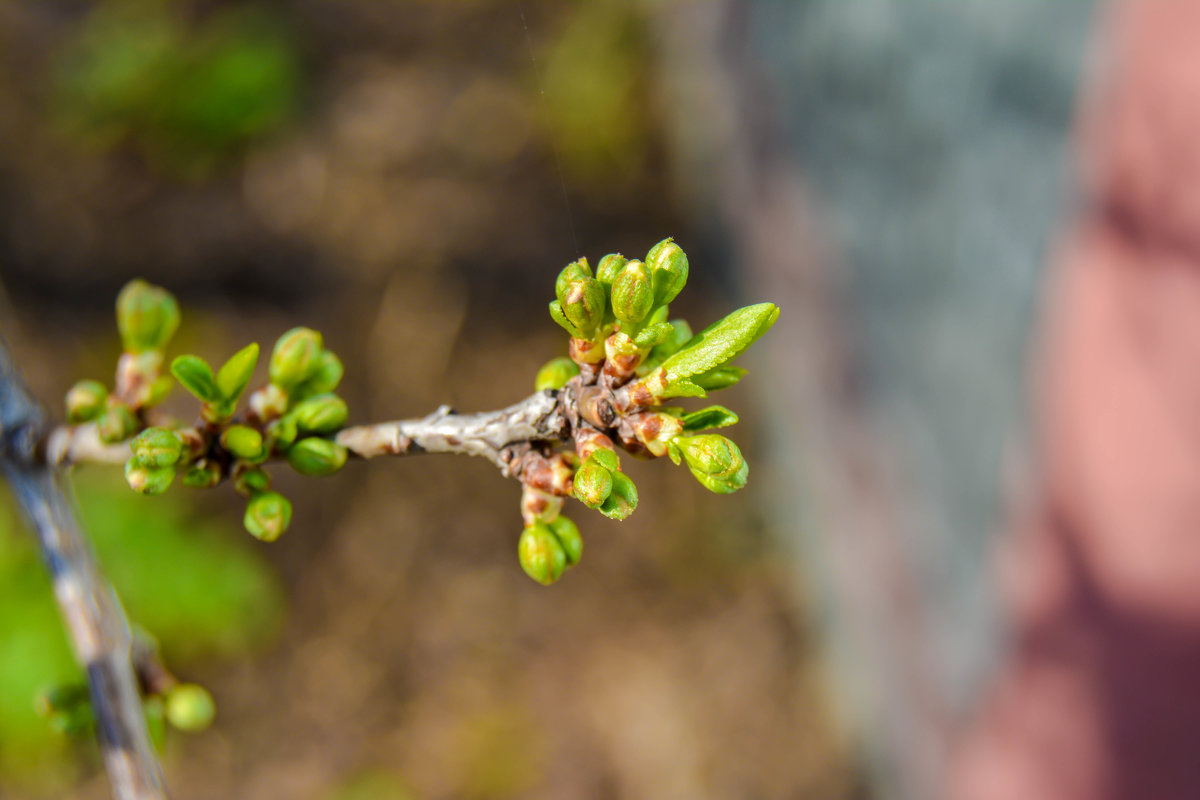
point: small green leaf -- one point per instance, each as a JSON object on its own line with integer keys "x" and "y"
{"x": 653, "y": 335}
{"x": 706, "y": 418}
{"x": 235, "y": 374}
{"x": 719, "y": 378}
{"x": 721, "y": 342}
{"x": 195, "y": 375}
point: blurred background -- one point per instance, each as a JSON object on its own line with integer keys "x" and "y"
{"x": 408, "y": 178}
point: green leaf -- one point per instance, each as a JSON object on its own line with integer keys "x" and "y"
{"x": 195, "y": 375}
{"x": 235, "y": 374}
{"x": 653, "y": 335}
{"x": 706, "y": 418}
{"x": 719, "y": 378}
{"x": 721, "y": 342}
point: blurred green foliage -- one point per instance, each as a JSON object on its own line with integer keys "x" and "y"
{"x": 187, "y": 93}
{"x": 194, "y": 585}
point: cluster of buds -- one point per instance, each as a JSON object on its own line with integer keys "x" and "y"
{"x": 291, "y": 417}
{"x": 186, "y": 707}
{"x": 626, "y": 357}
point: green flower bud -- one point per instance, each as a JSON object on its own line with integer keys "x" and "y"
{"x": 281, "y": 433}
{"x": 568, "y": 536}
{"x": 632, "y": 294}
{"x": 267, "y": 516}
{"x": 202, "y": 475}
{"x": 541, "y": 554}
{"x": 715, "y": 461}
{"x": 555, "y": 373}
{"x": 668, "y": 270}
{"x": 235, "y": 373}
{"x": 86, "y": 401}
{"x": 623, "y": 500}
{"x": 243, "y": 442}
{"x": 148, "y": 480}
{"x": 323, "y": 413}
{"x": 295, "y": 357}
{"x": 582, "y": 302}
{"x": 116, "y": 424}
{"x": 592, "y": 484}
{"x": 190, "y": 707}
{"x": 147, "y": 316}
{"x": 156, "y": 447}
{"x": 316, "y": 456}
{"x": 325, "y": 376}
{"x": 252, "y": 481}
{"x": 575, "y": 271}
{"x": 609, "y": 268}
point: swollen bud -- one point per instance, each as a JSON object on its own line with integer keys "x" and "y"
{"x": 203, "y": 474}
{"x": 323, "y": 413}
{"x": 190, "y": 707}
{"x": 541, "y": 554}
{"x": 609, "y": 268}
{"x": 251, "y": 481}
{"x": 593, "y": 483}
{"x": 316, "y": 456}
{"x": 623, "y": 500}
{"x": 568, "y": 536}
{"x": 668, "y": 269}
{"x": 715, "y": 461}
{"x": 325, "y": 377}
{"x": 147, "y": 316}
{"x": 116, "y": 424}
{"x": 295, "y": 357}
{"x": 632, "y": 293}
{"x": 575, "y": 271}
{"x": 148, "y": 480}
{"x": 85, "y": 401}
{"x": 268, "y": 516}
{"x": 555, "y": 373}
{"x": 243, "y": 442}
{"x": 582, "y": 303}
{"x": 156, "y": 448}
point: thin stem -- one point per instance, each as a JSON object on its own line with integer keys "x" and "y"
{"x": 95, "y": 621}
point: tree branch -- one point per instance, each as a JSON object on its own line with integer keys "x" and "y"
{"x": 95, "y": 621}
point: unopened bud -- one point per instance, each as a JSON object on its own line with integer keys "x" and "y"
{"x": 325, "y": 377}
{"x": 295, "y": 357}
{"x": 251, "y": 481}
{"x": 623, "y": 499}
{"x": 316, "y": 456}
{"x": 156, "y": 447}
{"x": 541, "y": 554}
{"x": 609, "y": 268}
{"x": 268, "y": 516}
{"x": 147, "y": 316}
{"x": 582, "y": 303}
{"x": 715, "y": 461}
{"x": 116, "y": 424}
{"x": 281, "y": 433}
{"x": 655, "y": 429}
{"x": 148, "y": 480}
{"x": 85, "y": 401}
{"x": 568, "y": 536}
{"x": 202, "y": 475}
{"x": 323, "y": 413}
{"x": 243, "y": 442}
{"x": 632, "y": 294}
{"x": 575, "y": 271}
{"x": 538, "y": 505}
{"x": 269, "y": 402}
{"x": 190, "y": 707}
{"x": 554, "y": 374}
{"x": 668, "y": 269}
{"x": 592, "y": 484}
